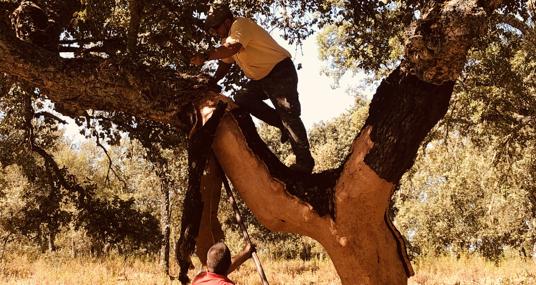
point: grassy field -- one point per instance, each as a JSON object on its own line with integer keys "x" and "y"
{"x": 58, "y": 269}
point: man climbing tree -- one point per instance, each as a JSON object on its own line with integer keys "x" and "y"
{"x": 271, "y": 72}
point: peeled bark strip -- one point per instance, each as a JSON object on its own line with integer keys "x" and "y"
{"x": 193, "y": 205}
{"x": 210, "y": 229}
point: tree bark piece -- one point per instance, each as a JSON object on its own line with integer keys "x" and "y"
{"x": 437, "y": 47}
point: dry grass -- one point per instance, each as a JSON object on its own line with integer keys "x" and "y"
{"x": 473, "y": 270}
{"x": 58, "y": 269}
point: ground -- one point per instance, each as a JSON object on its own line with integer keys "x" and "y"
{"x": 61, "y": 269}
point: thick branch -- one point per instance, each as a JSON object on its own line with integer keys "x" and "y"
{"x": 409, "y": 103}
{"x": 438, "y": 43}
{"x": 77, "y": 85}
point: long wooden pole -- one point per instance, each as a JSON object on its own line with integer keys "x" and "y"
{"x": 238, "y": 218}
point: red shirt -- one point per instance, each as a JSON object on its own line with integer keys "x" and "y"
{"x": 209, "y": 278}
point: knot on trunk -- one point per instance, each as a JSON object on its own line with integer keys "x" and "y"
{"x": 31, "y": 24}
{"x": 437, "y": 46}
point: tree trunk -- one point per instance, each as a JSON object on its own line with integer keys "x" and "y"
{"x": 359, "y": 241}
{"x": 165, "y": 224}
{"x": 51, "y": 241}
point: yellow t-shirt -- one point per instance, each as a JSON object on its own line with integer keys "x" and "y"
{"x": 259, "y": 53}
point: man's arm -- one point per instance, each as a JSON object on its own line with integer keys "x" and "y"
{"x": 223, "y": 69}
{"x": 240, "y": 258}
{"x": 224, "y": 51}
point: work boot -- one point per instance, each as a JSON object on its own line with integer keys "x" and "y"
{"x": 304, "y": 164}
{"x": 284, "y": 136}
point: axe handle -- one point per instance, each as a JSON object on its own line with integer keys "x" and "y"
{"x": 238, "y": 217}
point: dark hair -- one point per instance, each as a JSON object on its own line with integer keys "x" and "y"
{"x": 219, "y": 259}
{"x": 217, "y": 14}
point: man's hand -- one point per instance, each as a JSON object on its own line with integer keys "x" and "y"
{"x": 213, "y": 85}
{"x": 240, "y": 258}
{"x": 249, "y": 249}
{"x": 198, "y": 59}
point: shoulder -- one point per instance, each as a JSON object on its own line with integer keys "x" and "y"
{"x": 226, "y": 282}
{"x": 199, "y": 277}
{"x": 212, "y": 279}
{"x": 241, "y": 22}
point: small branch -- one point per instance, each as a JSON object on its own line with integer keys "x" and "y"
{"x": 514, "y": 22}
{"x": 110, "y": 165}
{"x": 50, "y": 116}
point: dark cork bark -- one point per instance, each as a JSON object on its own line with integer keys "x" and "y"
{"x": 316, "y": 189}
{"x": 199, "y": 150}
{"x": 401, "y": 114}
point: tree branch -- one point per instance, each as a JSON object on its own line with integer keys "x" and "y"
{"x": 50, "y": 116}
{"x": 110, "y": 165}
{"x": 78, "y": 85}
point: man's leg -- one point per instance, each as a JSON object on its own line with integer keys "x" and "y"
{"x": 250, "y": 98}
{"x": 281, "y": 86}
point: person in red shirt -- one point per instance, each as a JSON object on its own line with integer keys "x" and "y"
{"x": 220, "y": 264}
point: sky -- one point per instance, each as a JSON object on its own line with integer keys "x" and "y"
{"x": 319, "y": 101}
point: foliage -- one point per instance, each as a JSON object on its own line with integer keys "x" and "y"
{"x": 40, "y": 199}
{"x": 116, "y": 222}
{"x": 460, "y": 200}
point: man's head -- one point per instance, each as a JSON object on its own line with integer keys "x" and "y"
{"x": 219, "y": 259}
{"x": 219, "y": 20}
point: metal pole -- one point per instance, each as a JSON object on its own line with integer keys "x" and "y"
{"x": 242, "y": 226}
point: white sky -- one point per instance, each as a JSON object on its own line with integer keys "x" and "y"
{"x": 319, "y": 101}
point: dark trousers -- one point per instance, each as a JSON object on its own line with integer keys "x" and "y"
{"x": 280, "y": 86}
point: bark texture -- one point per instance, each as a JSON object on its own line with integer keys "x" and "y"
{"x": 78, "y": 85}
{"x": 437, "y": 47}
{"x": 402, "y": 112}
